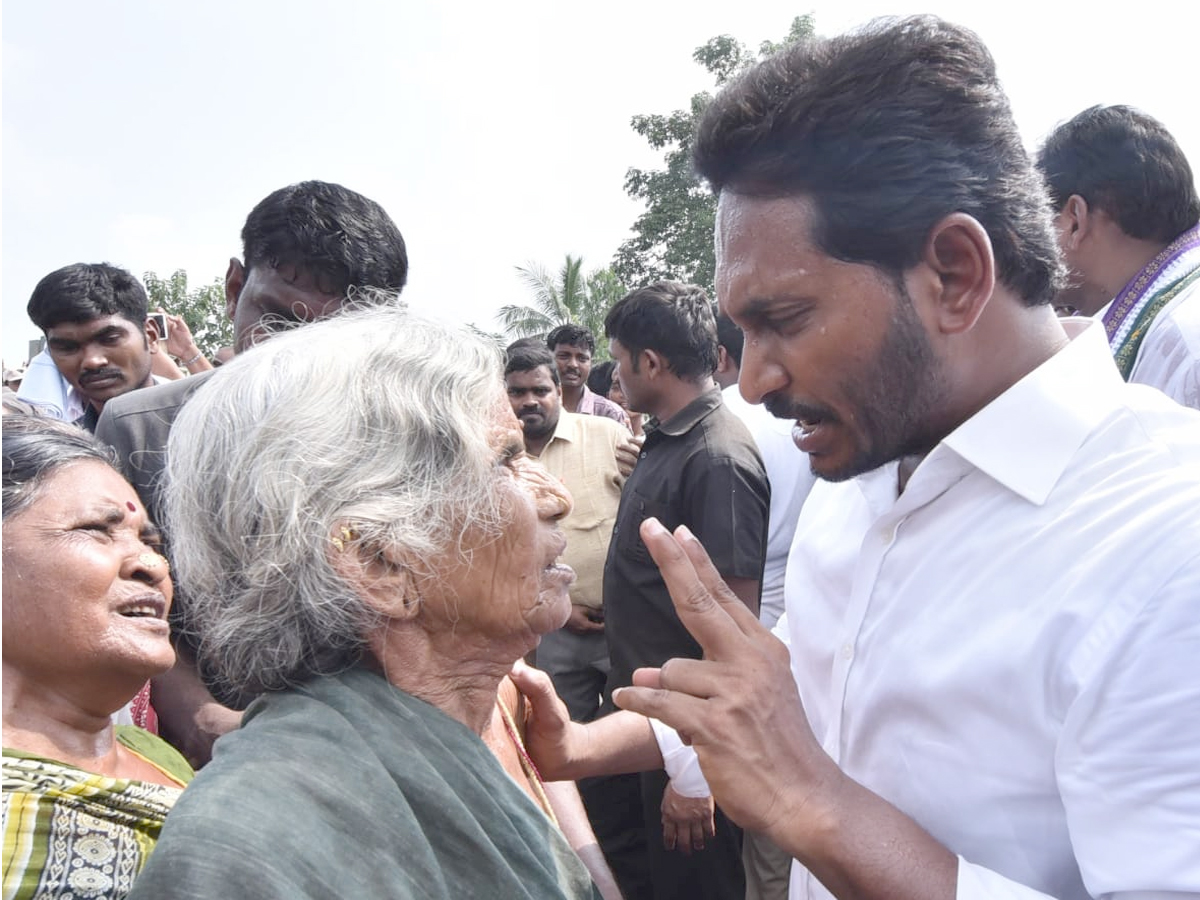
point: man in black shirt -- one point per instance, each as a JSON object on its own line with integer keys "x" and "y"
{"x": 698, "y": 468}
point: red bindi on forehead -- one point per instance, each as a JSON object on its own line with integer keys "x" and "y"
{"x": 131, "y": 506}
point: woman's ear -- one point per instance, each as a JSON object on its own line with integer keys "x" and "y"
{"x": 384, "y": 581}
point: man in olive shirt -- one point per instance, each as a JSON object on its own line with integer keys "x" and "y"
{"x": 581, "y": 452}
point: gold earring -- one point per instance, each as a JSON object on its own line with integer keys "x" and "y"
{"x": 347, "y": 534}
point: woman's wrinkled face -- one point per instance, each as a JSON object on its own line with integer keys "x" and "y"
{"x": 86, "y": 592}
{"x": 513, "y": 588}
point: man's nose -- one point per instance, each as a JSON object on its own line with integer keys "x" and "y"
{"x": 94, "y": 357}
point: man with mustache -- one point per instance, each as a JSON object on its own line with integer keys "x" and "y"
{"x": 984, "y": 683}
{"x": 97, "y": 332}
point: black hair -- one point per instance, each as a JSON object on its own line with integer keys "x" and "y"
{"x": 886, "y": 131}
{"x": 573, "y": 336}
{"x": 1126, "y": 163}
{"x": 86, "y": 291}
{"x": 35, "y": 448}
{"x": 521, "y": 356}
{"x": 672, "y": 319}
{"x": 600, "y": 379}
{"x": 339, "y": 238}
{"x": 729, "y": 336}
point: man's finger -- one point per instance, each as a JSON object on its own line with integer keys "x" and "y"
{"x": 711, "y": 579}
{"x": 707, "y": 619}
{"x": 681, "y": 712}
{"x": 696, "y": 677}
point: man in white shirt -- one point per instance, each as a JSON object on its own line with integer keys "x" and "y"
{"x": 986, "y": 684}
{"x": 1128, "y": 215}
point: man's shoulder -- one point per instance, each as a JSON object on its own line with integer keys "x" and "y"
{"x": 157, "y": 398}
{"x": 574, "y": 426}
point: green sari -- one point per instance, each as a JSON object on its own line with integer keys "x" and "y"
{"x": 71, "y": 833}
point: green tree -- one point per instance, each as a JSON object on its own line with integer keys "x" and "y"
{"x": 567, "y": 295}
{"x": 202, "y": 308}
{"x": 673, "y": 238}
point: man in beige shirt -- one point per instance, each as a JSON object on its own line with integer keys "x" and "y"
{"x": 580, "y": 450}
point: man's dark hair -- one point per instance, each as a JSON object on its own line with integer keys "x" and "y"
{"x": 1126, "y": 163}
{"x": 672, "y": 319}
{"x": 600, "y": 378}
{"x": 86, "y": 291}
{"x": 522, "y": 357}
{"x": 886, "y": 131}
{"x": 573, "y": 336}
{"x": 336, "y": 236}
{"x": 729, "y": 336}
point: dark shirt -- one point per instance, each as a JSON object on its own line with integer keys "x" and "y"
{"x": 699, "y": 468}
{"x": 137, "y": 425}
{"x": 89, "y": 419}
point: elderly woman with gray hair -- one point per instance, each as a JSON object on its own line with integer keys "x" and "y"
{"x": 365, "y": 547}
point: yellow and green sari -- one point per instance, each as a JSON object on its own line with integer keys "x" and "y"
{"x": 75, "y": 834}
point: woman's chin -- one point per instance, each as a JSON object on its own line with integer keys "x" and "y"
{"x": 555, "y": 596}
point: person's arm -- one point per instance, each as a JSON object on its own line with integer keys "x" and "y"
{"x": 164, "y": 367}
{"x": 189, "y": 718}
{"x": 566, "y": 751}
{"x": 739, "y": 709}
{"x": 573, "y": 820}
{"x": 182, "y": 345}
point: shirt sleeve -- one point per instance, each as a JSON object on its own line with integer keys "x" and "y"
{"x": 680, "y": 761}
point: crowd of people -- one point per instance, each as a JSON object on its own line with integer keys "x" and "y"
{"x": 875, "y": 576}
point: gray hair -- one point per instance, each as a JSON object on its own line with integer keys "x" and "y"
{"x": 34, "y": 449}
{"x": 376, "y": 419}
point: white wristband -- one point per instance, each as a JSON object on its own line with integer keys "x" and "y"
{"x": 680, "y": 761}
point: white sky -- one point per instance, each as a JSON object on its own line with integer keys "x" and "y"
{"x": 141, "y": 132}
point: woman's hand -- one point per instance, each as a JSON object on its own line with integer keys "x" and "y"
{"x": 553, "y": 741}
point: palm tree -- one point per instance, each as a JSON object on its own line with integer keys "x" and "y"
{"x": 566, "y": 296}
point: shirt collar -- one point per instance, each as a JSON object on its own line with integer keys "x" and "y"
{"x": 687, "y": 418}
{"x": 1026, "y": 438}
{"x": 566, "y": 429}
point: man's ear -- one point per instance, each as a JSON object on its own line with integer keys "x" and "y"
{"x": 723, "y": 360}
{"x": 152, "y": 336}
{"x": 1075, "y": 222}
{"x": 379, "y": 577}
{"x": 654, "y": 363}
{"x": 235, "y": 279}
{"x": 962, "y": 268}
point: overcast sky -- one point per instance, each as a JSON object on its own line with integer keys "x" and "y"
{"x": 141, "y": 132}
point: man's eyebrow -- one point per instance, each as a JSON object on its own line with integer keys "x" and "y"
{"x": 759, "y": 308}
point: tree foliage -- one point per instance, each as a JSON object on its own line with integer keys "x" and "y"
{"x": 202, "y": 308}
{"x": 567, "y": 295}
{"x": 673, "y": 238}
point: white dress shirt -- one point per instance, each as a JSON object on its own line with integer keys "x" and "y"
{"x": 1009, "y": 650}
{"x": 791, "y": 479}
{"x": 1169, "y": 358}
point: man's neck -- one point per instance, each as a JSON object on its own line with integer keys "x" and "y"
{"x": 535, "y": 446}
{"x": 676, "y": 396}
{"x": 572, "y": 397}
{"x": 1125, "y": 258}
